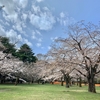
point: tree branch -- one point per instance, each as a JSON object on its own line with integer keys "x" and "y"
{"x": 98, "y": 72}
{"x": 80, "y": 72}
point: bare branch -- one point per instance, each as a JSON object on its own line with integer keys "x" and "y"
{"x": 80, "y": 72}
{"x": 98, "y": 72}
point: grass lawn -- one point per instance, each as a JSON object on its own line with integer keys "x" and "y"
{"x": 46, "y": 92}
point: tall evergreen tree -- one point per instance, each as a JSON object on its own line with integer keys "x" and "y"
{"x": 9, "y": 47}
{"x": 25, "y": 54}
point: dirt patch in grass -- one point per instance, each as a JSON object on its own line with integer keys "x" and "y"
{"x": 75, "y": 91}
{"x": 3, "y": 90}
{"x": 79, "y": 90}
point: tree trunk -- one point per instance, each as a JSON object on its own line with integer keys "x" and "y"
{"x": 32, "y": 80}
{"x": 77, "y": 81}
{"x": 70, "y": 81}
{"x": 2, "y": 79}
{"x": 91, "y": 85}
{"x": 91, "y": 82}
{"x": 17, "y": 80}
{"x": 80, "y": 81}
{"x": 67, "y": 80}
{"x": 62, "y": 82}
{"x": 52, "y": 82}
{"x": 38, "y": 81}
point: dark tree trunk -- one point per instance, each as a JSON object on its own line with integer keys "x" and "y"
{"x": 32, "y": 80}
{"x": 77, "y": 81}
{"x": 91, "y": 85}
{"x": 38, "y": 81}
{"x": 52, "y": 82}
{"x": 70, "y": 81}
{"x": 17, "y": 80}
{"x": 73, "y": 83}
{"x": 91, "y": 82}
{"x": 2, "y": 79}
{"x": 62, "y": 82}
{"x": 67, "y": 80}
{"x": 80, "y": 81}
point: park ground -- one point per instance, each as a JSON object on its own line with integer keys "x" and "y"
{"x": 46, "y": 92}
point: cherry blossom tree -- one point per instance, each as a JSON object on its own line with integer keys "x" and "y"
{"x": 82, "y": 43}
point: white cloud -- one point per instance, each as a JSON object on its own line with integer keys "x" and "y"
{"x": 65, "y": 19}
{"x": 45, "y": 8}
{"x": 17, "y": 23}
{"x": 53, "y": 39}
{"x": 36, "y": 35}
{"x": 23, "y": 20}
{"x": 2, "y": 31}
{"x": 27, "y": 42}
{"x": 10, "y": 17}
{"x": 42, "y": 47}
{"x": 62, "y": 15}
{"x": 1, "y": 21}
{"x": 13, "y": 16}
{"x": 43, "y": 22}
{"x": 23, "y": 3}
{"x": 38, "y": 32}
{"x": 19, "y": 26}
{"x": 49, "y": 47}
{"x": 24, "y": 16}
{"x": 41, "y": 19}
{"x": 20, "y": 38}
{"x": 56, "y": 38}
{"x": 9, "y": 6}
{"x": 33, "y": 35}
{"x": 13, "y": 36}
{"x": 39, "y": 0}
{"x": 39, "y": 40}
{"x": 36, "y": 9}
{"x": 38, "y": 44}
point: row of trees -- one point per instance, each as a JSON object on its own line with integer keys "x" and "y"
{"x": 25, "y": 53}
{"x": 13, "y": 61}
{"x": 76, "y": 56}
{"x": 79, "y": 53}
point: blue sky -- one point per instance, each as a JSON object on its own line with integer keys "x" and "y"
{"x": 39, "y": 22}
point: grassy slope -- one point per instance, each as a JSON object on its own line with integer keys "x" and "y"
{"x": 46, "y": 92}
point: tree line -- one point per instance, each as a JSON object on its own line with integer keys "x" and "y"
{"x": 24, "y": 53}
{"x": 13, "y": 60}
{"x": 78, "y": 55}
{"x": 72, "y": 58}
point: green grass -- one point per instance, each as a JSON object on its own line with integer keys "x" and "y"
{"x": 46, "y": 92}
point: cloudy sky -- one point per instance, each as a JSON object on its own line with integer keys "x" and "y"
{"x": 39, "y": 22}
